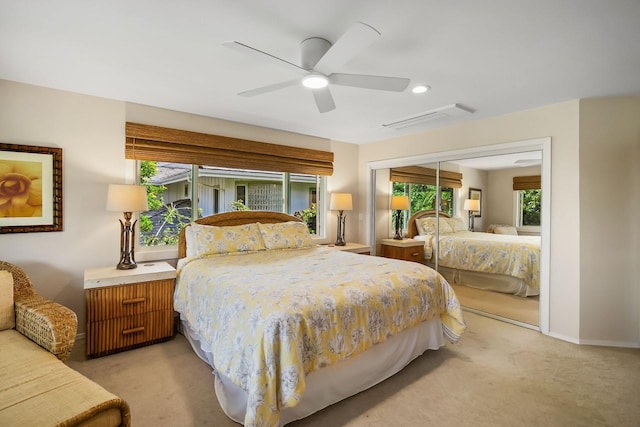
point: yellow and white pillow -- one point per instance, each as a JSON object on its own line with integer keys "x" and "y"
{"x": 286, "y": 235}
{"x": 209, "y": 239}
{"x": 457, "y": 224}
{"x": 428, "y": 226}
{"x": 7, "y": 313}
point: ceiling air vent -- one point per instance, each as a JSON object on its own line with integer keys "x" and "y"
{"x": 453, "y": 110}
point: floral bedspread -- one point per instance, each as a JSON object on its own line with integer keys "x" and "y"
{"x": 271, "y": 317}
{"x": 517, "y": 256}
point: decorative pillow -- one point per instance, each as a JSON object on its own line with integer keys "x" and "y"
{"x": 428, "y": 226}
{"x": 7, "y": 314}
{"x": 189, "y": 240}
{"x": 286, "y": 235}
{"x": 210, "y": 239}
{"x": 457, "y": 224}
{"x": 491, "y": 228}
{"x": 506, "y": 229}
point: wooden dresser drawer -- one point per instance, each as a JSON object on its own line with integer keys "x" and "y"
{"x": 407, "y": 249}
{"x": 127, "y": 300}
{"x": 121, "y": 333}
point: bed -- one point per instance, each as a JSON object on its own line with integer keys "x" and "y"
{"x": 287, "y": 336}
{"x": 497, "y": 262}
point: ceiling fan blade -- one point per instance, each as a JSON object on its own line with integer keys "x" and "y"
{"x": 264, "y": 56}
{"x": 351, "y": 43}
{"x": 269, "y": 88}
{"x": 324, "y": 100}
{"x": 393, "y": 84}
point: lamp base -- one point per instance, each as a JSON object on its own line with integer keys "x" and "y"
{"x": 127, "y": 239}
{"x": 126, "y": 266}
{"x": 341, "y": 226}
{"x": 398, "y": 235}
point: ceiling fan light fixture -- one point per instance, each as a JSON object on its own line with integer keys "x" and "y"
{"x": 315, "y": 81}
{"x": 420, "y": 89}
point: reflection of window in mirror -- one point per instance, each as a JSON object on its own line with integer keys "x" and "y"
{"x": 528, "y": 208}
{"x": 423, "y": 197}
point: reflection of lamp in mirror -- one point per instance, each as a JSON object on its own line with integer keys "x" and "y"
{"x": 471, "y": 206}
{"x": 399, "y": 204}
{"x": 341, "y": 202}
{"x": 127, "y": 199}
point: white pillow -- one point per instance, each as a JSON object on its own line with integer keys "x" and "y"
{"x": 286, "y": 235}
{"x": 506, "y": 229}
{"x": 7, "y": 313}
{"x": 210, "y": 239}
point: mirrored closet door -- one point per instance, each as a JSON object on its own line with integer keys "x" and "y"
{"x": 477, "y": 220}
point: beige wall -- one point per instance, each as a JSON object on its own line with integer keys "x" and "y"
{"x": 609, "y": 208}
{"x": 558, "y": 121}
{"x": 90, "y": 132}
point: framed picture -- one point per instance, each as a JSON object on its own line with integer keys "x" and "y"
{"x": 30, "y": 188}
{"x": 476, "y": 194}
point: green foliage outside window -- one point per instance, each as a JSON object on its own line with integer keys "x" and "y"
{"x": 170, "y": 220}
{"x": 530, "y": 204}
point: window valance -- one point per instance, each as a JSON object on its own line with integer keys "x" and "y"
{"x": 422, "y": 175}
{"x": 527, "y": 182}
{"x": 146, "y": 142}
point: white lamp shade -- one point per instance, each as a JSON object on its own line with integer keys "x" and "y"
{"x": 127, "y": 198}
{"x": 400, "y": 203}
{"x": 471, "y": 205}
{"x": 341, "y": 202}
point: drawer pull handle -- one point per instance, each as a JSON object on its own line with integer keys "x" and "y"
{"x": 133, "y": 301}
{"x": 415, "y": 254}
{"x": 133, "y": 330}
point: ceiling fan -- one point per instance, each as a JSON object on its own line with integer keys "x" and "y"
{"x": 319, "y": 60}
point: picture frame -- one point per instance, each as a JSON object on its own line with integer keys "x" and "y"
{"x": 476, "y": 194}
{"x": 30, "y": 188}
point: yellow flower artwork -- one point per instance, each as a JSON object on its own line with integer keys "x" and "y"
{"x": 20, "y": 189}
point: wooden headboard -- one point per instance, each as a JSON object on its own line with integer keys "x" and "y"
{"x": 235, "y": 218}
{"x": 412, "y": 230}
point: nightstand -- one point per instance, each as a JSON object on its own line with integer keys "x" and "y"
{"x": 356, "y": 248}
{"x": 406, "y": 249}
{"x": 128, "y": 308}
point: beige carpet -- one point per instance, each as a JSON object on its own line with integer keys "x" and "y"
{"x": 525, "y": 310}
{"x": 498, "y": 375}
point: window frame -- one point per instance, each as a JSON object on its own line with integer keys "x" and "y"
{"x": 517, "y": 215}
{"x": 147, "y": 253}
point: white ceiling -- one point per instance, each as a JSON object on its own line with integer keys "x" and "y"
{"x": 492, "y": 56}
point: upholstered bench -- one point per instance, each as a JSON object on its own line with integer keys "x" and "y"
{"x": 36, "y": 387}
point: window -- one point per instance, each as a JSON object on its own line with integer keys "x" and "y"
{"x": 528, "y": 207}
{"x": 218, "y": 190}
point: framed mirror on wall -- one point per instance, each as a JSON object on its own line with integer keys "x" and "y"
{"x": 485, "y": 174}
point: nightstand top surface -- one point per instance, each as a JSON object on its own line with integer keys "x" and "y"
{"x": 110, "y": 276}
{"x": 351, "y": 247}
{"x": 404, "y": 243}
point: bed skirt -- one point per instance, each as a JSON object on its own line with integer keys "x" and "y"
{"x": 487, "y": 281}
{"x": 336, "y": 382}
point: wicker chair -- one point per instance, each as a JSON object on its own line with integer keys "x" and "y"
{"x": 48, "y": 324}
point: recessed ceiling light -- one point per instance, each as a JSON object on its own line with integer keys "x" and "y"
{"x": 315, "y": 81}
{"x": 420, "y": 89}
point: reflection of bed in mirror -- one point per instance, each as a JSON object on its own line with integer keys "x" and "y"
{"x": 290, "y": 327}
{"x": 497, "y": 262}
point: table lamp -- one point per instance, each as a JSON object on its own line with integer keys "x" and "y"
{"x": 127, "y": 199}
{"x": 341, "y": 202}
{"x": 471, "y": 206}
{"x": 399, "y": 204}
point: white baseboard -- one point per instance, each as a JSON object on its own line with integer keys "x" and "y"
{"x": 600, "y": 343}
{"x": 564, "y": 337}
{"x": 603, "y": 343}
